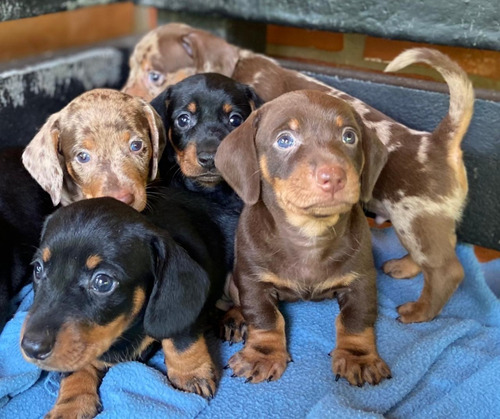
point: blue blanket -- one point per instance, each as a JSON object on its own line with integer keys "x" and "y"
{"x": 449, "y": 367}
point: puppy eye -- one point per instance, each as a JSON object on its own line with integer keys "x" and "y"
{"x": 349, "y": 136}
{"x": 285, "y": 141}
{"x": 235, "y": 119}
{"x": 83, "y": 157}
{"x": 136, "y": 145}
{"x": 37, "y": 271}
{"x": 103, "y": 284}
{"x": 156, "y": 78}
{"x": 183, "y": 120}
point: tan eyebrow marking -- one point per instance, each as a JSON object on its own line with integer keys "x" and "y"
{"x": 93, "y": 261}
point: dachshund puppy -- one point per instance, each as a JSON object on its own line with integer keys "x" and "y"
{"x": 109, "y": 281}
{"x": 423, "y": 209}
{"x": 103, "y": 143}
{"x": 160, "y": 60}
{"x": 301, "y": 164}
{"x": 198, "y": 113}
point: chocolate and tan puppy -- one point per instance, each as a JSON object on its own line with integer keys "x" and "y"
{"x": 301, "y": 163}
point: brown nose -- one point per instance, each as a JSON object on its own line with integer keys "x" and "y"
{"x": 125, "y": 197}
{"x": 330, "y": 178}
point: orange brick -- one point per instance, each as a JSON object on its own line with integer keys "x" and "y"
{"x": 474, "y": 61}
{"x": 485, "y": 255}
{"x": 285, "y": 35}
{"x": 50, "y": 32}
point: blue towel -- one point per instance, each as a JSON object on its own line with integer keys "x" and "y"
{"x": 449, "y": 367}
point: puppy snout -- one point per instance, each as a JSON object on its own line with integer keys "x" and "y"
{"x": 330, "y": 178}
{"x": 206, "y": 159}
{"x": 38, "y": 344}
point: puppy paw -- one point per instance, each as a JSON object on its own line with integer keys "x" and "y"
{"x": 415, "y": 312}
{"x": 403, "y": 268}
{"x": 259, "y": 363}
{"x": 359, "y": 368}
{"x": 233, "y": 327}
{"x": 83, "y": 406}
{"x": 201, "y": 381}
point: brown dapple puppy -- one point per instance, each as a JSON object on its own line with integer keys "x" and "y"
{"x": 424, "y": 209}
{"x": 103, "y": 143}
{"x": 165, "y": 56}
{"x": 301, "y": 163}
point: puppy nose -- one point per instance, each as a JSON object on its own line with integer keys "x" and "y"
{"x": 38, "y": 344}
{"x": 330, "y": 178}
{"x": 125, "y": 197}
{"x": 206, "y": 160}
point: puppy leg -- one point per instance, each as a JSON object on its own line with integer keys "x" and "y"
{"x": 264, "y": 356}
{"x": 234, "y": 328}
{"x": 433, "y": 247}
{"x": 189, "y": 365}
{"x": 355, "y": 356}
{"x": 78, "y": 396}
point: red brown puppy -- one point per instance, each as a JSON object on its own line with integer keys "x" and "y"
{"x": 423, "y": 187}
{"x": 301, "y": 164}
{"x": 103, "y": 143}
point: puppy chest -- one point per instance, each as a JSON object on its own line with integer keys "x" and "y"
{"x": 306, "y": 284}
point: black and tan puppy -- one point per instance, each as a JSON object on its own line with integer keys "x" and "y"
{"x": 109, "y": 281}
{"x": 301, "y": 164}
{"x": 198, "y": 113}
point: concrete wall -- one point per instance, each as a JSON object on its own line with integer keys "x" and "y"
{"x": 469, "y": 23}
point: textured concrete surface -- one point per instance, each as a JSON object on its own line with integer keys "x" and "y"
{"x": 468, "y": 23}
{"x": 29, "y": 93}
{"x": 18, "y": 9}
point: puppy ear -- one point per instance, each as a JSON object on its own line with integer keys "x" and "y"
{"x": 376, "y": 155}
{"x": 179, "y": 292}
{"x": 253, "y": 97}
{"x": 160, "y": 105}
{"x": 42, "y": 159}
{"x": 210, "y": 53}
{"x": 236, "y": 159}
{"x": 158, "y": 137}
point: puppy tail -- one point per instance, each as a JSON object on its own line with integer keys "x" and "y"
{"x": 455, "y": 124}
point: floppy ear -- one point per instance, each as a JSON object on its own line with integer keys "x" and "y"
{"x": 179, "y": 292}
{"x": 376, "y": 155}
{"x": 210, "y": 53}
{"x": 160, "y": 105}
{"x": 158, "y": 137}
{"x": 42, "y": 160}
{"x": 236, "y": 160}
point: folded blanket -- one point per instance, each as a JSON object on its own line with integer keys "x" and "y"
{"x": 448, "y": 367}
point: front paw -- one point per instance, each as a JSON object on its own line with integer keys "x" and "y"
{"x": 359, "y": 368}
{"x": 233, "y": 326}
{"x": 259, "y": 363}
{"x": 201, "y": 381}
{"x": 83, "y": 406}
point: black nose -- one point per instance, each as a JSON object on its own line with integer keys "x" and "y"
{"x": 38, "y": 344}
{"x": 206, "y": 160}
